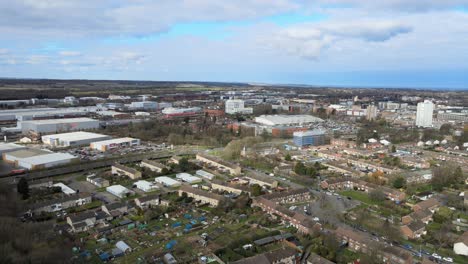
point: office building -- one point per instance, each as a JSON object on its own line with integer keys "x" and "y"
{"x": 424, "y": 114}
{"x": 309, "y": 138}
{"x": 234, "y": 106}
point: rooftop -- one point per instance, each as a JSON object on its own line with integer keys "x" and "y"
{"x": 61, "y": 120}
{"x": 79, "y": 135}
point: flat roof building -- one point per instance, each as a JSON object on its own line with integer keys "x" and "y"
{"x": 110, "y": 144}
{"x": 205, "y": 174}
{"x": 166, "y": 181}
{"x": 72, "y": 139}
{"x": 9, "y": 147}
{"x": 287, "y": 120}
{"x": 309, "y": 138}
{"x": 119, "y": 191}
{"x": 189, "y": 178}
{"x": 145, "y": 186}
{"x": 58, "y": 125}
{"x": 46, "y": 161}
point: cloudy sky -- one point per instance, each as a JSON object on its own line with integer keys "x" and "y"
{"x": 396, "y": 43}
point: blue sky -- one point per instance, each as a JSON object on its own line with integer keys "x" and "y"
{"x": 387, "y": 43}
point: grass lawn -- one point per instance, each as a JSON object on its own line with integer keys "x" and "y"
{"x": 360, "y": 196}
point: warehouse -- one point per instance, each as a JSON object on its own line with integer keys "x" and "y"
{"x": 110, "y": 144}
{"x": 58, "y": 125}
{"x": 119, "y": 191}
{"x": 189, "y": 178}
{"x": 72, "y": 139}
{"x": 46, "y": 161}
{"x": 9, "y": 147}
{"x": 167, "y": 182}
{"x": 287, "y": 120}
{"x": 15, "y": 156}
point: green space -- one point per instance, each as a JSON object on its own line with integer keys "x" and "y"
{"x": 360, "y": 196}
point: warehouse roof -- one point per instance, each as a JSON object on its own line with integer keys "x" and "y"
{"x": 48, "y": 158}
{"x": 114, "y": 141}
{"x": 9, "y": 147}
{"x": 79, "y": 135}
{"x": 315, "y": 132}
{"x": 61, "y": 120}
{"x": 272, "y": 120}
{"x": 28, "y": 153}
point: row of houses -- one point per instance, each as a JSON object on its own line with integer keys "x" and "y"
{"x": 302, "y": 223}
{"x": 358, "y": 241}
{"x": 349, "y": 184}
{"x": 291, "y": 196}
{"x": 219, "y": 164}
{"x": 86, "y": 220}
{"x": 62, "y": 203}
{"x": 201, "y": 196}
{"x": 414, "y": 224}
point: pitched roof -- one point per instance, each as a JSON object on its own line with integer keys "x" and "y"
{"x": 428, "y": 203}
{"x": 463, "y": 238}
{"x": 278, "y": 195}
{"x": 147, "y": 198}
{"x": 416, "y": 225}
{"x": 268, "y": 258}
{"x": 190, "y": 189}
{"x": 82, "y": 216}
{"x": 316, "y": 259}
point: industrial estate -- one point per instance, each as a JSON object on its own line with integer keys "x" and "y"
{"x": 235, "y": 173}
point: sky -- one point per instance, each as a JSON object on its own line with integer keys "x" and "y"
{"x": 384, "y": 43}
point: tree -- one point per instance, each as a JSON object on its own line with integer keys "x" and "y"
{"x": 444, "y": 214}
{"x": 184, "y": 164}
{"x": 393, "y": 148}
{"x": 445, "y": 129}
{"x": 256, "y": 190}
{"x": 399, "y": 182}
{"x": 377, "y": 195}
{"x": 287, "y": 157}
{"x": 23, "y": 188}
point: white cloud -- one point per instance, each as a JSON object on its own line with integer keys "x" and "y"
{"x": 37, "y": 59}
{"x": 310, "y": 39}
{"x": 69, "y": 53}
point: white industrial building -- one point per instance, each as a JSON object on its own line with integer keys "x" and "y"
{"x": 9, "y": 147}
{"x": 167, "y": 182}
{"x": 119, "y": 191}
{"x": 45, "y": 112}
{"x": 65, "y": 189}
{"x": 58, "y": 125}
{"x": 424, "y": 114}
{"x": 145, "y": 186}
{"x": 287, "y": 120}
{"x": 46, "y": 161}
{"x": 205, "y": 174}
{"x": 72, "y": 139}
{"x": 234, "y": 106}
{"x": 110, "y": 144}
{"x": 189, "y": 178}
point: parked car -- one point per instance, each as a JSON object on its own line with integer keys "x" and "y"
{"x": 436, "y": 256}
{"x": 448, "y": 259}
